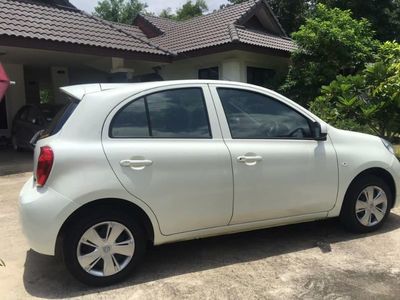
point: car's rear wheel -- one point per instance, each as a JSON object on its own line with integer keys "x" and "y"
{"x": 367, "y": 204}
{"x": 104, "y": 247}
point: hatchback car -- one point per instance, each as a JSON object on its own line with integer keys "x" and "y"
{"x": 29, "y": 120}
{"x": 130, "y": 164}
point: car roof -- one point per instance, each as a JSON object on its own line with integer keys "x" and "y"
{"x": 79, "y": 91}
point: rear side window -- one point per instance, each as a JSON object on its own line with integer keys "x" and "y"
{"x": 179, "y": 113}
{"x": 131, "y": 121}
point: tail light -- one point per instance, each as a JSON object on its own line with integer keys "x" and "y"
{"x": 44, "y": 165}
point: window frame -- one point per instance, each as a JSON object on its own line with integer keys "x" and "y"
{"x": 258, "y": 68}
{"x": 208, "y": 68}
{"x": 144, "y": 97}
{"x": 309, "y": 121}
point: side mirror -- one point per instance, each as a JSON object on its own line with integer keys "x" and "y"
{"x": 319, "y": 132}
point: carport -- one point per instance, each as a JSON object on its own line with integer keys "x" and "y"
{"x": 44, "y": 46}
{"x": 38, "y": 74}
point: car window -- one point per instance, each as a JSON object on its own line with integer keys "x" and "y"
{"x": 255, "y": 116}
{"x": 131, "y": 121}
{"x": 59, "y": 119}
{"x": 178, "y": 113}
{"x": 33, "y": 114}
{"x": 49, "y": 112}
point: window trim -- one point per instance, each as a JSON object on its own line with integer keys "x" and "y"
{"x": 309, "y": 121}
{"x": 149, "y": 122}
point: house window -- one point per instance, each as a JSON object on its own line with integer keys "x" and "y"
{"x": 260, "y": 76}
{"x": 209, "y": 73}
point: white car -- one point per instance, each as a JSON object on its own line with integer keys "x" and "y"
{"x": 124, "y": 165}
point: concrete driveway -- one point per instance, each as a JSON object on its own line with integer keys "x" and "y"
{"x": 307, "y": 261}
{"x": 13, "y": 162}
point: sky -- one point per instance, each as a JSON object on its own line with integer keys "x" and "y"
{"x": 153, "y": 5}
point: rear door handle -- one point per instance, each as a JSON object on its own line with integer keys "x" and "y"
{"x": 249, "y": 160}
{"x": 136, "y": 164}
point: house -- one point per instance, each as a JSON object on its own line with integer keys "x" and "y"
{"x": 45, "y": 44}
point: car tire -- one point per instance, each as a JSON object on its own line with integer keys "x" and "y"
{"x": 15, "y": 143}
{"x": 76, "y": 246}
{"x": 366, "y": 205}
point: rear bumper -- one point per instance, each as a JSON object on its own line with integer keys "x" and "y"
{"x": 42, "y": 213}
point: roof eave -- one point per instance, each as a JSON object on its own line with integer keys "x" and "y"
{"x": 49, "y": 45}
{"x": 230, "y": 47}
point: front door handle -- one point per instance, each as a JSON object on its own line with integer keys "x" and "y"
{"x": 136, "y": 164}
{"x": 249, "y": 159}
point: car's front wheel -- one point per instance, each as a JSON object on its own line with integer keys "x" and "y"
{"x": 103, "y": 248}
{"x": 367, "y": 204}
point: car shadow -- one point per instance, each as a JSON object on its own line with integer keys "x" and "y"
{"x": 46, "y": 276}
{"x": 14, "y": 162}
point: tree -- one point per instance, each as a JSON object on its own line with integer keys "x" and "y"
{"x": 291, "y": 13}
{"x": 121, "y": 11}
{"x": 190, "y": 10}
{"x": 384, "y": 15}
{"x": 167, "y": 13}
{"x": 368, "y": 101}
{"x": 329, "y": 44}
{"x": 187, "y": 11}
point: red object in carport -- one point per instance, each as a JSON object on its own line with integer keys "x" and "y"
{"x": 4, "y": 82}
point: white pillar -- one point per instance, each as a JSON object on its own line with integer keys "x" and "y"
{"x": 231, "y": 70}
{"x": 117, "y": 63}
{"x": 59, "y": 78}
{"x": 120, "y": 71}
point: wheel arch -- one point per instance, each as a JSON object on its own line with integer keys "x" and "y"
{"x": 108, "y": 203}
{"x": 381, "y": 173}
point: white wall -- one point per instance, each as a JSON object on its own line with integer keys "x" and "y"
{"x": 15, "y": 96}
{"x": 59, "y": 78}
{"x": 232, "y": 65}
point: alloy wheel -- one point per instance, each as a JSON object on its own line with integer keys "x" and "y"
{"x": 371, "y": 206}
{"x": 105, "y": 248}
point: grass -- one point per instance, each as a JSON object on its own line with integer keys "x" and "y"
{"x": 397, "y": 150}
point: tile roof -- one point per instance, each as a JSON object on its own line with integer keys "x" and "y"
{"x": 34, "y": 20}
{"x": 52, "y": 23}
{"x": 163, "y": 24}
{"x": 218, "y": 28}
{"x": 263, "y": 39}
{"x": 131, "y": 29}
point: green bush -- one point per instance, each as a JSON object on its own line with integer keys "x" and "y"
{"x": 330, "y": 42}
{"x": 368, "y": 101}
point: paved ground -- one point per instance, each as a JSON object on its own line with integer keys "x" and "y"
{"x": 12, "y": 162}
{"x": 307, "y": 261}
